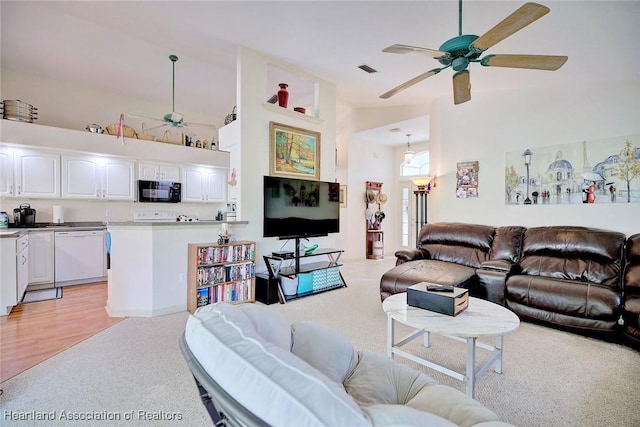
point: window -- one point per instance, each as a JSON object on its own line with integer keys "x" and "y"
{"x": 419, "y": 165}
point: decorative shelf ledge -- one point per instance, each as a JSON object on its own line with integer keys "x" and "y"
{"x": 277, "y": 109}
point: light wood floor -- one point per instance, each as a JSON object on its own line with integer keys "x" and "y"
{"x": 34, "y": 332}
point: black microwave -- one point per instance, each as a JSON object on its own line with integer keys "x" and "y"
{"x": 159, "y": 191}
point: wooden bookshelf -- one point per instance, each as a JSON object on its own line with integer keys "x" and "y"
{"x": 218, "y": 272}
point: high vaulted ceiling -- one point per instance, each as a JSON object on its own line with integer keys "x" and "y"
{"x": 123, "y": 46}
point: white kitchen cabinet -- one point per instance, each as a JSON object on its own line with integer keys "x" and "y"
{"x": 37, "y": 174}
{"x": 158, "y": 172}
{"x": 14, "y": 272}
{"x": 22, "y": 266}
{"x": 97, "y": 177}
{"x": 204, "y": 184}
{"x": 41, "y": 256}
{"x": 6, "y": 172}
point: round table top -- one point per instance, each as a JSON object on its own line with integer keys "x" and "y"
{"x": 480, "y": 319}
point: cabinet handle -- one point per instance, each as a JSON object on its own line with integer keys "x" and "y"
{"x": 11, "y": 189}
{"x": 19, "y": 190}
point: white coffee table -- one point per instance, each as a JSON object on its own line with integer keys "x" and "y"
{"x": 481, "y": 319}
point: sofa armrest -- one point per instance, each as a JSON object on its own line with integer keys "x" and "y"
{"x": 492, "y": 277}
{"x": 410, "y": 255}
{"x": 499, "y": 265}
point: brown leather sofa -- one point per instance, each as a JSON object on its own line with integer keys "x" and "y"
{"x": 582, "y": 279}
{"x": 631, "y": 280}
{"x": 451, "y": 254}
{"x": 570, "y": 277}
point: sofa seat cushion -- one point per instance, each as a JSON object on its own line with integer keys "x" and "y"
{"x": 564, "y": 302}
{"x": 268, "y": 380}
{"x": 399, "y": 278}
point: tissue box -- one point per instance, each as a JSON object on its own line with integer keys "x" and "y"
{"x": 449, "y": 303}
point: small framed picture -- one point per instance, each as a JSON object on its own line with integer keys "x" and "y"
{"x": 343, "y": 196}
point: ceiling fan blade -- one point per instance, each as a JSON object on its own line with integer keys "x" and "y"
{"x": 414, "y": 50}
{"x": 525, "y": 15}
{"x": 156, "y": 127}
{"x": 410, "y": 83}
{"x": 461, "y": 87}
{"x": 533, "y": 62}
{"x": 145, "y": 117}
{"x": 201, "y": 124}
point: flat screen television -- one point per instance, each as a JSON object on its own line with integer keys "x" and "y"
{"x": 300, "y": 208}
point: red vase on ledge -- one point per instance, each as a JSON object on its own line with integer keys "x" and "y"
{"x": 283, "y": 95}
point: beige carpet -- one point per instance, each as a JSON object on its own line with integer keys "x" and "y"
{"x": 134, "y": 369}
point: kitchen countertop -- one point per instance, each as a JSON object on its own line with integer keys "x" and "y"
{"x": 169, "y": 223}
{"x": 69, "y": 226}
{"x": 82, "y": 226}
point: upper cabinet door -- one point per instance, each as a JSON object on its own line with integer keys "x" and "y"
{"x": 118, "y": 181}
{"x": 158, "y": 172}
{"x": 193, "y": 185}
{"x": 6, "y": 172}
{"x": 37, "y": 174}
{"x": 81, "y": 177}
{"x": 216, "y": 185}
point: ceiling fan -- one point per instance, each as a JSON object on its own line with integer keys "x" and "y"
{"x": 173, "y": 119}
{"x": 460, "y": 51}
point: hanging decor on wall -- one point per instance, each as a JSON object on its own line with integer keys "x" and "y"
{"x": 293, "y": 152}
{"x": 467, "y": 179}
{"x": 597, "y": 171}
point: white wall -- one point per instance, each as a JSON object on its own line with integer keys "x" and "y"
{"x": 492, "y": 124}
{"x": 253, "y": 151}
{"x": 484, "y": 129}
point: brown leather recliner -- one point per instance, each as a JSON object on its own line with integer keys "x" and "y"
{"x": 631, "y": 280}
{"x": 451, "y": 254}
{"x": 570, "y": 277}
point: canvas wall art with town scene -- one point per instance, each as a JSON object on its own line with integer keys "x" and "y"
{"x": 598, "y": 171}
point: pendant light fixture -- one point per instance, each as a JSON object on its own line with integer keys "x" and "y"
{"x": 408, "y": 154}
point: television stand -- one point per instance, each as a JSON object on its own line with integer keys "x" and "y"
{"x": 319, "y": 275}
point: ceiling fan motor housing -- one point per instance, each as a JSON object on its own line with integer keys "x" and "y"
{"x": 458, "y": 47}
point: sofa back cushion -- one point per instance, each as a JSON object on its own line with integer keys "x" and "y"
{"x": 507, "y": 243}
{"x": 271, "y": 382}
{"x": 464, "y": 244}
{"x": 632, "y": 267}
{"x": 573, "y": 253}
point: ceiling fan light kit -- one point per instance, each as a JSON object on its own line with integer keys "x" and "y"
{"x": 458, "y": 52}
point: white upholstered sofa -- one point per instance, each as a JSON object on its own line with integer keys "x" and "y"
{"x": 260, "y": 370}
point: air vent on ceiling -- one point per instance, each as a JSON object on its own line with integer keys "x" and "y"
{"x": 366, "y": 68}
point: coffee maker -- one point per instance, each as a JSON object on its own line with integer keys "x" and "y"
{"x": 24, "y": 216}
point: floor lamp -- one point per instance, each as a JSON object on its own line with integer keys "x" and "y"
{"x": 422, "y": 182}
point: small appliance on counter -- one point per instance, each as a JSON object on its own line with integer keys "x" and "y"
{"x": 58, "y": 215}
{"x": 24, "y": 216}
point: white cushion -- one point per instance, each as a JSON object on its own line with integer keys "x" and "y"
{"x": 269, "y": 381}
{"x": 324, "y": 348}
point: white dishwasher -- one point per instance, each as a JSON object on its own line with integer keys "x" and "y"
{"x": 79, "y": 257}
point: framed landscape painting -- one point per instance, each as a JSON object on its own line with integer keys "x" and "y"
{"x": 293, "y": 152}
